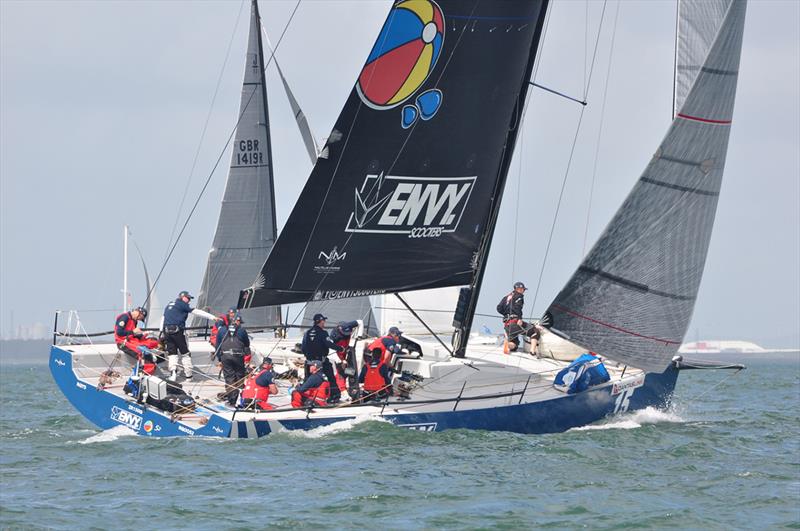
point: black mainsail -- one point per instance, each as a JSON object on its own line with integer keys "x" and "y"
{"x": 246, "y": 229}
{"x": 408, "y": 194}
{"x": 632, "y": 298}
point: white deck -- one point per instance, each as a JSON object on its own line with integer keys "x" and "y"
{"x": 485, "y": 371}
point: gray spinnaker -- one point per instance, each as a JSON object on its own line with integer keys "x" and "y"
{"x": 698, "y": 24}
{"x": 632, "y": 298}
{"x": 246, "y": 229}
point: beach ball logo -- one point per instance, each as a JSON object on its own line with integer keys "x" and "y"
{"x": 403, "y": 57}
{"x": 148, "y": 426}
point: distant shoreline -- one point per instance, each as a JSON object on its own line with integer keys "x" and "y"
{"x": 24, "y": 351}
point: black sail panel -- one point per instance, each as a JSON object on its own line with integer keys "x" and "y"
{"x": 633, "y": 296}
{"x": 403, "y": 199}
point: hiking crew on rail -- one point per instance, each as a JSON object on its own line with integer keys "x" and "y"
{"x": 510, "y": 307}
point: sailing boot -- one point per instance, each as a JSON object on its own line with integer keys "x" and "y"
{"x": 172, "y": 366}
{"x": 186, "y": 361}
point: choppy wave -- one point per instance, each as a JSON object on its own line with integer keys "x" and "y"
{"x": 635, "y": 420}
{"x": 336, "y": 427}
{"x": 109, "y": 435}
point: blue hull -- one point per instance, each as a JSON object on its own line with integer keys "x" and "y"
{"x": 107, "y": 410}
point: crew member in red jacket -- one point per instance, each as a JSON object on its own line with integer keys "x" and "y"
{"x": 221, "y": 323}
{"x": 129, "y": 337}
{"x": 259, "y": 386}
{"x": 314, "y": 390}
{"x": 127, "y": 334}
{"x": 376, "y": 376}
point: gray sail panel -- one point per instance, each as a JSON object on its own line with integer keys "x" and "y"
{"x": 342, "y": 311}
{"x": 300, "y": 118}
{"x": 246, "y": 229}
{"x": 698, "y": 24}
{"x": 632, "y": 298}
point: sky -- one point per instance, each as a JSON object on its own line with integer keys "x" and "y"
{"x": 103, "y": 107}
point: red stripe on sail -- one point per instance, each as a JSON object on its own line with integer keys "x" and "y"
{"x": 703, "y": 120}
{"x": 619, "y": 329}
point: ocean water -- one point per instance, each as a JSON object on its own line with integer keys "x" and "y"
{"x": 724, "y": 457}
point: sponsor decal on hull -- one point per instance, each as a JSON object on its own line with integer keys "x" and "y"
{"x": 422, "y": 426}
{"x": 126, "y": 418}
{"x": 628, "y": 383}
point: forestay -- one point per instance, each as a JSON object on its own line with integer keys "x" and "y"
{"x": 633, "y": 296}
{"x": 404, "y": 197}
{"x": 246, "y": 229}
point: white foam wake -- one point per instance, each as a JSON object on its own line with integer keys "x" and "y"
{"x": 109, "y": 435}
{"x": 336, "y": 427}
{"x": 636, "y": 419}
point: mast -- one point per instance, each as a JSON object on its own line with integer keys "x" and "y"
{"x": 461, "y": 335}
{"x": 125, "y": 269}
{"x": 274, "y": 234}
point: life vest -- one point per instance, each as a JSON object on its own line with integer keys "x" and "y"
{"x": 129, "y": 326}
{"x": 373, "y": 381}
{"x": 255, "y": 392}
{"x": 378, "y": 344}
{"x": 318, "y": 395}
{"x": 232, "y": 343}
{"x": 344, "y": 343}
{"x": 215, "y": 329}
{"x": 149, "y": 368}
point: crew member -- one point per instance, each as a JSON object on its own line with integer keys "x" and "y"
{"x": 222, "y": 322}
{"x": 314, "y": 390}
{"x": 376, "y": 376}
{"x": 510, "y": 307}
{"x": 386, "y": 346}
{"x": 174, "y": 326}
{"x": 341, "y": 336}
{"x": 233, "y": 343}
{"x": 129, "y": 337}
{"x": 316, "y": 345}
{"x": 259, "y": 386}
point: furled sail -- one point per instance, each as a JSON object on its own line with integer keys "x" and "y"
{"x": 246, "y": 229}
{"x": 300, "y": 118}
{"x": 404, "y": 197}
{"x": 698, "y": 24}
{"x": 632, "y": 297}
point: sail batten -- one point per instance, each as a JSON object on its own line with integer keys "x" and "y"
{"x": 632, "y": 298}
{"x": 246, "y": 229}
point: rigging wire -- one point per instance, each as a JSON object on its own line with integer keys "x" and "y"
{"x": 600, "y": 128}
{"x": 205, "y": 128}
{"x": 569, "y": 162}
{"x": 519, "y": 193}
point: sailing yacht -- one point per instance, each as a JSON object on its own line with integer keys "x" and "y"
{"x": 407, "y": 198}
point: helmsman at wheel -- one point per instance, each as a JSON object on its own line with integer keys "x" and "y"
{"x": 174, "y": 327}
{"x": 510, "y": 307}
